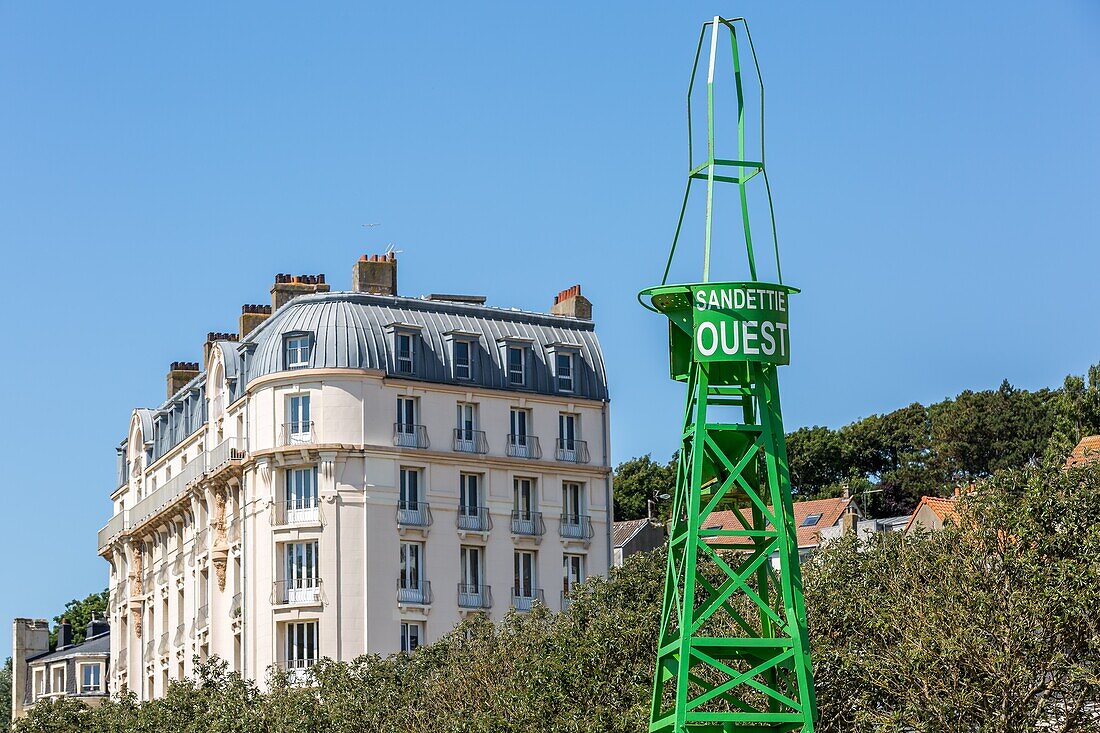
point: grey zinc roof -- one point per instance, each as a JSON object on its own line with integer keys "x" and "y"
{"x": 89, "y": 647}
{"x": 355, "y": 330}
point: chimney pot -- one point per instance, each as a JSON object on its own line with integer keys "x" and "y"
{"x": 375, "y": 274}
{"x": 571, "y": 303}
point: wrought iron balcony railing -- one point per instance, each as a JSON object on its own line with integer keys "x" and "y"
{"x": 296, "y": 590}
{"x": 575, "y": 527}
{"x": 297, "y": 511}
{"x": 406, "y": 435}
{"x": 524, "y": 599}
{"x": 417, "y": 593}
{"x": 298, "y": 433}
{"x": 474, "y": 596}
{"x": 573, "y": 451}
{"x": 470, "y": 441}
{"x": 298, "y": 669}
{"x": 527, "y": 523}
{"x": 524, "y": 446}
{"x": 566, "y": 601}
{"x": 414, "y": 514}
{"x": 230, "y": 449}
{"x": 474, "y": 519}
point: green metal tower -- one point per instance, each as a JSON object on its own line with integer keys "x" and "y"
{"x": 733, "y": 654}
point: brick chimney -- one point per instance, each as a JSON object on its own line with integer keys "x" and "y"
{"x": 180, "y": 373}
{"x": 252, "y": 315}
{"x": 570, "y": 302}
{"x": 30, "y": 637}
{"x": 375, "y": 274}
{"x": 289, "y": 286}
{"x": 211, "y": 339}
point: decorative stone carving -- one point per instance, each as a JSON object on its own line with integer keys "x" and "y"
{"x": 219, "y": 552}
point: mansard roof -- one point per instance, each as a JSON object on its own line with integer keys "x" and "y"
{"x": 355, "y": 330}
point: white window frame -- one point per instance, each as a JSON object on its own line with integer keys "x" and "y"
{"x": 403, "y": 412}
{"x": 412, "y": 636}
{"x": 462, "y": 371}
{"x": 80, "y": 670}
{"x": 465, "y": 481}
{"x": 299, "y": 428}
{"x": 302, "y": 570}
{"x": 38, "y": 682}
{"x": 573, "y": 571}
{"x": 532, "y": 496}
{"x": 522, "y": 351}
{"x": 300, "y": 347}
{"x": 521, "y": 558}
{"x": 58, "y": 689}
{"x": 304, "y": 649}
{"x": 410, "y": 488}
{"x": 569, "y": 490}
{"x": 404, "y": 364}
{"x": 411, "y": 573}
{"x": 566, "y": 382}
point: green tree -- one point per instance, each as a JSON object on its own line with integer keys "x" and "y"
{"x": 816, "y": 457}
{"x": 79, "y": 612}
{"x": 1076, "y": 414}
{"x": 638, "y": 480}
{"x": 5, "y": 695}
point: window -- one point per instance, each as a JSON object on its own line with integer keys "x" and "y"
{"x": 409, "y": 498}
{"x": 299, "y": 427}
{"x": 301, "y": 494}
{"x": 463, "y": 351}
{"x": 411, "y": 573}
{"x": 470, "y": 568}
{"x": 523, "y": 498}
{"x": 404, "y": 360}
{"x": 572, "y": 572}
{"x": 811, "y": 521}
{"x": 469, "y": 490}
{"x": 567, "y": 431}
{"x": 302, "y": 578}
{"x": 57, "y": 679}
{"x": 411, "y": 634}
{"x": 563, "y": 364}
{"x": 521, "y": 443}
{"x": 524, "y": 578}
{"x": 406, "y": 414}
{"x": 301, "y": 645}
{"x": 517, "y": 366}
{"x": 90, "y": 677}
{"x": 406, "y": 432}
{"x": 467, "y": 421}
{"x": 297, "y": 350}
{"x": 39, "y": 687}
{"x": 572, "y": 500}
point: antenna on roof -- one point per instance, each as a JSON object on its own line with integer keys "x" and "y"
{"x": 389, "y": 248}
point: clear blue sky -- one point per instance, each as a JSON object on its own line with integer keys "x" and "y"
{"x": 936, "y": 170}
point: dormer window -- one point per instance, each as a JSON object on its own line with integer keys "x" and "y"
{"x": 91, "y": 676}
{"x": 517, "y": 366}
{"x": 563, "y": 367}
{"x": 462, "y": 358}
{"x": 405, "y": 356}
{"x": 297, "y": 350}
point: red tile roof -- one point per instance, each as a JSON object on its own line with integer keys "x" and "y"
{"x": 942, "y": 507}
{"x": 1087, "y": 451}
{"x": 830, "y": 510}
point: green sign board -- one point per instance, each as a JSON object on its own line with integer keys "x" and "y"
{"x": 740, "y": 322}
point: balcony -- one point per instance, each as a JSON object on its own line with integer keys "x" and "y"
{"x": 524, "y": 446}
{"x": 118, "y": 524}
{"x": 575, "y": 527}
{"x": 414, "y": 592}
{"x": 162, "y": 574}
{"x": 298, "y": 669}
{"x": 296, "y": 591}
{"x": 169, "y": 492}
{"x": 573, "y": 451}
{"x": 566, "y": 601}
{"x": 177, "y": 565}
{"x": 470, "y": 441}
{"x": 298, "y": 433}
{"x": 201, "y": 538}
{"x": 527, "y": 523}
{"x": 236, "y": 606}
{"x": 475, "y": 596}
{"x": 202, "y": 617}
{"x": 473, "y": 519}
{"x": 150, "y": 651}
{"x": 413, "y": 514}
{"x": 410, "y": 436}
{"x": 297, "y": 511}
{"x": 228, "y": 451}
{"x": 147, "y": 582}
{"x": 162, "y": 647}
{"x": 524, "y": 599}
{"x": 177, "y": 638}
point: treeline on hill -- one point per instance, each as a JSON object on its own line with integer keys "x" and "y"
{"x": 914, "y": 451}
{"x": 985, "y": 627}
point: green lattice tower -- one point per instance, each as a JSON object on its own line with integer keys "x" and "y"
{"x": 733, "y": 653}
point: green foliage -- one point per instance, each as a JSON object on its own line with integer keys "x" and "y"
{"x": 79, "y": 612}
{"x": 5, "y": 695}
{"x": 986, "y": 628}
{"x": 638, "y": 480}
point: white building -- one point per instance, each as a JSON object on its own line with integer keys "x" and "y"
{"x": 355, "y": 473}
